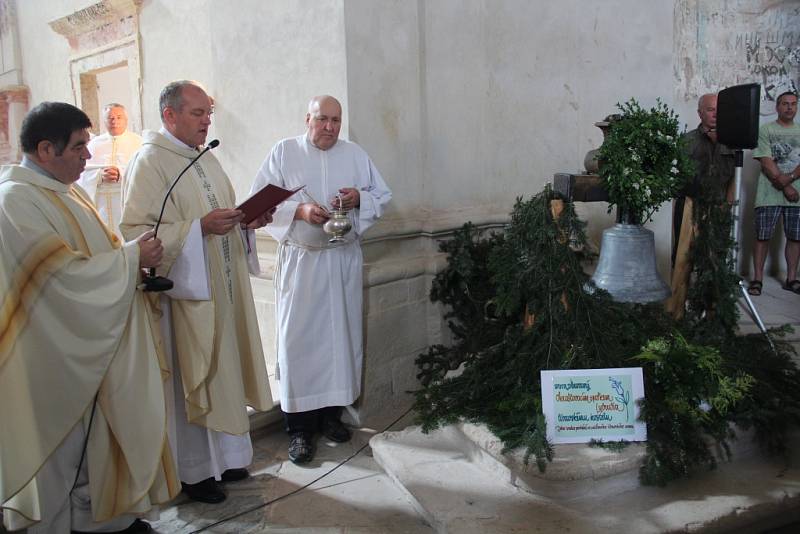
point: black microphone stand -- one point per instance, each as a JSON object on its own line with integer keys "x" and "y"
{"x": 152, "y": 282}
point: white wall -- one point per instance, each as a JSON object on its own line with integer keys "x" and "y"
{"x": 467, "y": 104}
{"x": 44, "y": 53}
{"x": 261, "y": 61}
{"x": 113, "y": 86}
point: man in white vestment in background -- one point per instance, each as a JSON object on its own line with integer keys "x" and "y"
{"x": 318, "y": 288}
{"x": 83, "y": 441}
{"x": 208, "y": 319}
{"x": 105, "y": 172}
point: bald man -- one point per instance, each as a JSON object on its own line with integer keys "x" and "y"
{"x": 318, "y": 293}
{"x": 712, "y": 182}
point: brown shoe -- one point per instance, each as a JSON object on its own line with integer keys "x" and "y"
{"x": 793, "y": 286}
{"x": 755, "y": 287}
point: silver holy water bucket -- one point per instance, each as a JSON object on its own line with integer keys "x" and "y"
{"x": 627, "y": 265}
{"x": 338, "y": 225}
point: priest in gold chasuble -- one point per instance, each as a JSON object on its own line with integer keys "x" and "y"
{"x": 81, "y": 379}
{"x": 208, "y": 319}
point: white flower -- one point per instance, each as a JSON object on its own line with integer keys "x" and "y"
{"x": 668, "y": 137}
{"x": 647, "y": 192}
{"x": 626, "y": 171}
{"x": 674, "y": 162}
{"x": 636, "y": 185}
{"x": 635, "y": 157}
{"x": 674, "y": 170}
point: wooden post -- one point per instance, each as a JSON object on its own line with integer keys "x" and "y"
{"x": 679, "y": 283}
{"x": 556, "y": 209}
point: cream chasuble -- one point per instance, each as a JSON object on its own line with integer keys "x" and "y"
{"x": 216, "y": 341}
{"x": 318, "y": 288}
{"x": 72, "y": 324}
{"x": 108, "y": 151}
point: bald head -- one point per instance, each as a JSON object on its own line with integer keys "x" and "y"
{"x": 707, "y": 111}
{"x": 324, "y": 120}
{"x": 318, "y": 101}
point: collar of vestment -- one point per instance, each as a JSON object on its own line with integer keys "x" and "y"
{"x": 107, "y": 135}
{"x": 35, "y": 167}
{"x": 149, "y": 137}
{"x": 166, "y": 133}
{"x": 308, "y": 143}
{"x": 20, "y": 173}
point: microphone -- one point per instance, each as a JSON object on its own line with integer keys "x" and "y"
{"x": 161, "y": 283}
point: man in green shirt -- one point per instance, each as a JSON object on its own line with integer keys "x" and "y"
{"x": 777, "y": 194}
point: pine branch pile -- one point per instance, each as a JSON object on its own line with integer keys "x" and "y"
{"x": 520, "y": 302}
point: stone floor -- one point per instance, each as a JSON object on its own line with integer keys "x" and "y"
{"x": 356, "y": 498}
{"x": 361, "y": 498}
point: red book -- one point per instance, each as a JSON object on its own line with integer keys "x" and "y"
{"x": 264, "y": 200}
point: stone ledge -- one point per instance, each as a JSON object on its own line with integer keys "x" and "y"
{"x": 451, "y": 481}
{"x": 575, "y": 469}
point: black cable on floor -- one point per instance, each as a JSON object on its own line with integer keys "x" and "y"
{"x": 301, "y": 488}
{"x": 85, "y": 444}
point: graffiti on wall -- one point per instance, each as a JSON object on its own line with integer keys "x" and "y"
{"x": 719, "y": 43}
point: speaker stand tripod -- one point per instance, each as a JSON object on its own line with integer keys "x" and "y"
{"x": 750, "y": 308}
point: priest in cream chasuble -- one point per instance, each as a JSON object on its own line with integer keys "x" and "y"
{"x": 209, "y": 319}
{"x": 74, "y": 328}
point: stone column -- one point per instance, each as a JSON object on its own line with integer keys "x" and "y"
{"x": 13, "y": 107}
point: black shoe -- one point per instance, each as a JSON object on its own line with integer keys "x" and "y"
{"x": 137, "y": 527}
{"x": 334, "y": 430}
{"x": 204, "y": 491}
{"x": 235, "y": 475}
{"x": 301, "y": 448}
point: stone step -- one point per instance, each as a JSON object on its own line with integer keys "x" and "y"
{"x": 456, "y": 478}
{"x": 576, "y": 469}
{"x": 455, "y": 494}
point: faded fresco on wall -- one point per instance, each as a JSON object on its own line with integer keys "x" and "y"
{"x": 719, "y": 43}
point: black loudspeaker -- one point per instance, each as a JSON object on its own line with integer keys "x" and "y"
{"x": 737, "y": 116}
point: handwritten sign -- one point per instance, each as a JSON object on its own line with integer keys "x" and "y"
{"x": 584, "y": 404}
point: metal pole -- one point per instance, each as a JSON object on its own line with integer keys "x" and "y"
{"x": 736, "y": 211}
{"x": 737, "y": 184}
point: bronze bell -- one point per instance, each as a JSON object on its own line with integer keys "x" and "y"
{"x": 627, "y": 265}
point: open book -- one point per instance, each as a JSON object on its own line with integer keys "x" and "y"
{"x": 264, "y": 200}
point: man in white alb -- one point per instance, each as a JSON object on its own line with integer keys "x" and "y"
{"x": 209, "y": 321}
{"x": 318, "y": 288}
{"x": 105, "y": 172}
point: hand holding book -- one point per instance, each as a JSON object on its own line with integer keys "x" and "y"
{"x": 264, "y": 200}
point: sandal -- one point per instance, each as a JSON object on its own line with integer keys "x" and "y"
{"x": 793, "y": 286}
{"x": 755, "y": 287}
